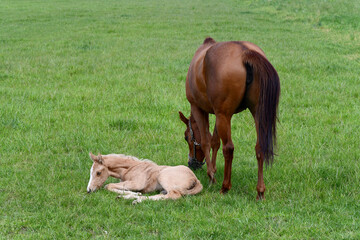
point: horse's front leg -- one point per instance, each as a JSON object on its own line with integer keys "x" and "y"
{"x": 223, "y": 126}
{"x": 215, "y": 145}
{"x": 202, "y": 120}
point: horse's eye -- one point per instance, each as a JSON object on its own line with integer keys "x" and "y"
{"x": 98, "y": 173}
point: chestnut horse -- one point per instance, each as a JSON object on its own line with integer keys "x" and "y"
{"x": 225, "y": 78}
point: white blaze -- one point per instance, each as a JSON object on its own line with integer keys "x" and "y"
{"x": 91, "y": 171}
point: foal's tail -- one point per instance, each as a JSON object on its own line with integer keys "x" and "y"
{"x": 269, "y": 92}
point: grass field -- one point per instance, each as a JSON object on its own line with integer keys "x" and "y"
{"x": 109, "y": 77}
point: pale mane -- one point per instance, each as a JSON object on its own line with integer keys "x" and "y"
{"x": 123, "y": 156}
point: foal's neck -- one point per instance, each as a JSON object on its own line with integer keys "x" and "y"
{"x": 119, "y": 164}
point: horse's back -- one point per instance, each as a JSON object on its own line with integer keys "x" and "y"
{"x": 195, "y": 81}
{"x": 223, "y": 62}
{"x": 225, "y": 75}
{"x": 217, "y": 76}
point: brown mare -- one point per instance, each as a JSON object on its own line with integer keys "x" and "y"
{"x": 225, "y": 78}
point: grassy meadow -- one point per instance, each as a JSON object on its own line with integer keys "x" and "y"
{"x": 109, "y": 77}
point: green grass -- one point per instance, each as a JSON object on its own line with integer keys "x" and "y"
{"x": 108, "y": 76}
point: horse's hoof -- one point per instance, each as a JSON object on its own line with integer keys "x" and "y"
{"x": 224, "y": 190}
{"x": 260, "y": 197}
{"x": 211, "y": 176}
{"x": 212, "y": 180}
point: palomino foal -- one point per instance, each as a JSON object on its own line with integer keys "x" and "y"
{"x": 141, "y": 176}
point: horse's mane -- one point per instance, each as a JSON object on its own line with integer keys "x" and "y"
{"x": 123, "y": 156}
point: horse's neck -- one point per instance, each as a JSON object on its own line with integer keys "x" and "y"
{"x": 119, "y": 165}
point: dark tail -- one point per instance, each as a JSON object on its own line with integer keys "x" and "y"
{"x": 269, "y": 93}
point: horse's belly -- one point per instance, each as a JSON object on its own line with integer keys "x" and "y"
{"x": 199, "y": 99}
{"x": 204, "y": 105}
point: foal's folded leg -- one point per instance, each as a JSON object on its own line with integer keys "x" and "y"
{"x": 139, "y": 199}
{"x": 170, "y": 195}
{"x": 130, "y": 195}
{"x": 125, "y": 189}
{"x": 126, "y": 192}
{"x": 127, "y": 185}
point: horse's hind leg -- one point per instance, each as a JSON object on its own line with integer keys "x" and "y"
{"x": 223, "y": 126}
{"x": 260, "y": 185}
{"x": 260, "y": 160}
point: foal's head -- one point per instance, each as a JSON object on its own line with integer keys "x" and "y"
{"x": 193, "y": 139}
{"x": 98, "y": 173}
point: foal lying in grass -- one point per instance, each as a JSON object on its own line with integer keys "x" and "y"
{"x": 141, "y": 176}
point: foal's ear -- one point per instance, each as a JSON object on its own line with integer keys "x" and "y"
{"x": 93, "y": 157}
{"x": 98, "y": 158}
{"x": 183, "y": 118}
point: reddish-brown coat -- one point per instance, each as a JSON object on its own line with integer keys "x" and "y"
{"x": 219, "y": 82}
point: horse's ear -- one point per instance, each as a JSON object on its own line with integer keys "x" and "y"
{"x": 183, "y": 118}
{"x": 100, "y": 159}
{"x": 92, "y": 156}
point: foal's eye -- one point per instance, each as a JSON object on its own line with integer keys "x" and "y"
{"x": 98, "y": 173}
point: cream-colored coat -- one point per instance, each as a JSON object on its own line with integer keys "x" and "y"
{"x": 141, "y": 176}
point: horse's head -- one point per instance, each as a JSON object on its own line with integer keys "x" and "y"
{"x": 98, "y": 173}
{"x": 193, "y": 139}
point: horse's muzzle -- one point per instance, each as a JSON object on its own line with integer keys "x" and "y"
{"x": 194, "y": 164}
